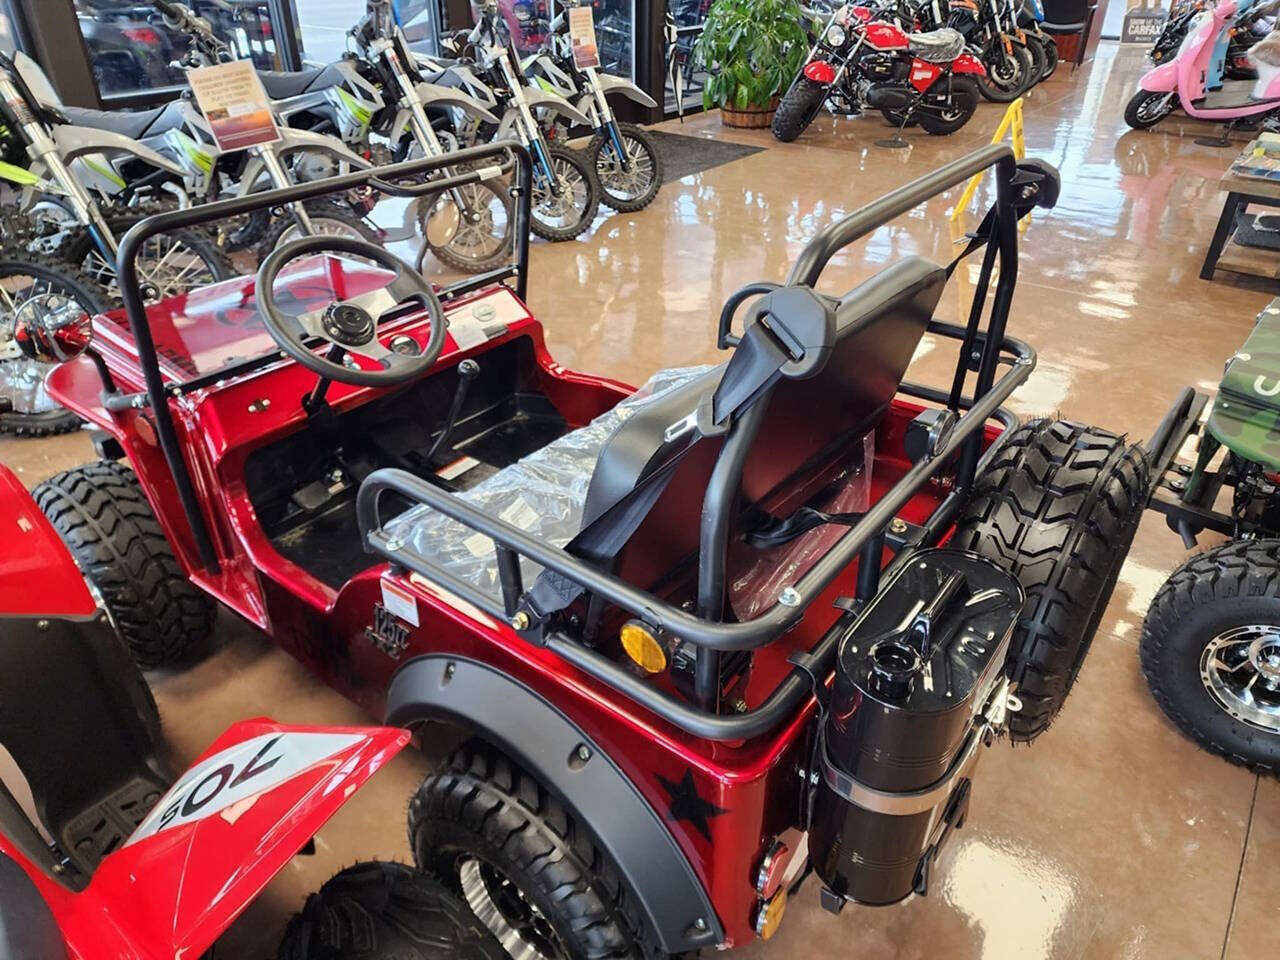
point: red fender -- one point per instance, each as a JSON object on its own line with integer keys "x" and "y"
{"x": 923, "y": 74}
{"x": 968, "y": 63}
{"x": 38, "y": 577}
{"x": 819, "y": 71}
{"x": 860, "y": 13}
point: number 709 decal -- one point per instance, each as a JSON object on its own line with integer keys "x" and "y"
{"x": 237, "y": 773}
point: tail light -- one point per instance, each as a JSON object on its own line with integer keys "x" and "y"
{"x": 144, "y": 35}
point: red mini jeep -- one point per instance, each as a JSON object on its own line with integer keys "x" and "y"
{"x": 753, "y": 621}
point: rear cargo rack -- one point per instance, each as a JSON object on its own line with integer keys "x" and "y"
{"x": 865, "y": 540}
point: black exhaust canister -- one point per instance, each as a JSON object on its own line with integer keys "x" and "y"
{"x": 919, "y": 687}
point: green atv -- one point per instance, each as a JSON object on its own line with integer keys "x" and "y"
{"x": 1211, "y": 641}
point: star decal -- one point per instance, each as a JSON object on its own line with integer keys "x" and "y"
{"x": 687, "y": 805}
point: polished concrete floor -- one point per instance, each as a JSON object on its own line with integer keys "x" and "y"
{"x": 1113, "y": 836}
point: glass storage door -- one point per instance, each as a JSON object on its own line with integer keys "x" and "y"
{"x": 683, "y": 73}
{"x": 131, "y": 49}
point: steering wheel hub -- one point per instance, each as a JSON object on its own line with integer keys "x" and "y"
{"x": 348, "y": 324}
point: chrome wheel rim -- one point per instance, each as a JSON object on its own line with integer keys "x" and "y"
{"x": 1240, "y": 670}
{"x": 625, "y": 183}
{"x": 22, "y": 378}
{"x": 565, "y": 209}
{"x": 321, "y": 226}
{"x": 166, "y": 267}
{"x": 483, "y": 223}
{"x": 521, "y": 928}
{"x": 1153, "y": 108}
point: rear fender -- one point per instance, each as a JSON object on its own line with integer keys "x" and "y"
{"x": 35, "y": 554}
{"x": 230, "y": 824}
{"x": 545, "y": 742}
{"x": 1161, "y": 79}
{"x": 968, "y": 63}
{"x": 74, "y": 143}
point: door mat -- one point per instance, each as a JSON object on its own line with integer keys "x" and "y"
{"x": 682, "y": 155}
{"x": 1258, "y": 230}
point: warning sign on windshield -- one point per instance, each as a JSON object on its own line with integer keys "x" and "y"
{"x": 231, "y": 97}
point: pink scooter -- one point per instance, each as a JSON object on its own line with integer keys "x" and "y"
{"x": 1180, "y": 82}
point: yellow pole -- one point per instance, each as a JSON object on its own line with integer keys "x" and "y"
{"x": 1011, "y": 125}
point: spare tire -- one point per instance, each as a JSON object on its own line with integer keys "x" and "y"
{"x": 1057, "y": 506}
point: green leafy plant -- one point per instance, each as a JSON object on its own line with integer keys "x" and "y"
{"x": 752, "y": 49}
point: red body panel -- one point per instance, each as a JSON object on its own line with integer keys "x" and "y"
{"x": 36, "y": 572}
{"x": 754, "y": 783}
{"x": 886, "y": 36}
{"x": 171, "y": 894}
{"x": 860, "y": 13}
{"x": 923, "y": 74}
{"x": 968, "y": 63}
{"x": 819, "y": 71}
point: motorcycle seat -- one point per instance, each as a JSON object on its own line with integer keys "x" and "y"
{"x": 937, "y": 46}
{"x": 134, "y": 124}
{"x": 283, "y": 84}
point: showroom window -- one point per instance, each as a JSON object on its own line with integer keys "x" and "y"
{"x": 324, "y": 26}
{"x": 132, "y": 51}
{"x": 8, "y": 39}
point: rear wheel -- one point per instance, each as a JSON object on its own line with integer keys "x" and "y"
{"x": 533, "y": 876}
{"x": 386, "y": 911}
{"x": 1050, "y": 49}
{"x": 1211, "y": 651}
{"x": 31, "y": 285}
{"x": 568, "y": 212}
{"x": 798, "y": 107}
{"x": 1057, "y": 507}
{"x": 103, "y": 517}
{"x": 951, "y": 108}
{"x": 633, "y": 187}
{"x": 1145, "y": 109}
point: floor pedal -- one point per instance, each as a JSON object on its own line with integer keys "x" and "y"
{"x": 103, "y": 827}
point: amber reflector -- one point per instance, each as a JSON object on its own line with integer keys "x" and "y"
{"x": 642, "y": 646}
{"x": 769, "y": 917}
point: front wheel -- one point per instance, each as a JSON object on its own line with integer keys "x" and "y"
{"x": 799, "y": 105}
{"x": 329, "y": 218}
{"x": 168, "y": 264}
{"x": 1145, "y": 109}
{"x": 1050, "y": 48}
{"x": 568, "y": 212}
{"x": 948, "y": 111}
{"x": 32, "y": 286}
{"x": 534, "y": 877}
{"x": 475, "y": 236}
{"x": 386, "y": 911}
{"x": 1210, "y": 651}
{"x": 631, "y": 187}
{"x": 1008, "y": 72}
{"x": 1039, "y": 65}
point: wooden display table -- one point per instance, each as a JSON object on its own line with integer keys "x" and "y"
{"x": 1224, "y": 251}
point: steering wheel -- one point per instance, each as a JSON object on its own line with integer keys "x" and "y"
{"x": 349, "y": 325}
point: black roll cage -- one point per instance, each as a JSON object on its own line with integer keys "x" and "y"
{"x": 866, "y": 539}
{"x": 511, "y": 157}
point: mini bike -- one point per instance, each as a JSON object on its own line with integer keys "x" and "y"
{"x": 752, "y": 622}
{"x": 111, "y": 856}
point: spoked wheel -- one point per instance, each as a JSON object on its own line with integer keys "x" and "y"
{"x": 328, "y": 219}
{"x": 1145, "y": 109}
{"x": 631, "y": 186}
{"x": 475, "y": 236}
{"x": 567, "y": 212}
{"x": 32, "y": 284}
{"x": 168, "y": 264}
{"x": 1211, "y": 651}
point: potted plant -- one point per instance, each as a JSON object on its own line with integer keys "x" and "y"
{"x": 752, "y": 49}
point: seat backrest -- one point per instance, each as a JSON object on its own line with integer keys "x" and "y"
{"x": 808, "y": 428}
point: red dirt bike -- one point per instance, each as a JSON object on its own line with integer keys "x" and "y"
{"x": 651, "y": 615}
{"x": 858, "y": 62}
{"x": 110, "y": 856}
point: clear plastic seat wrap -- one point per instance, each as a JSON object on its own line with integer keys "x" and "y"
{"x": 544, "y": 494}
{"x": 937, "y": 46}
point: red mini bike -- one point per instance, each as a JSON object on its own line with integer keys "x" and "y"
{"x": 751, "y": 620}
{"x": 858, "y": 61}
{"x": 112, "y": 857}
